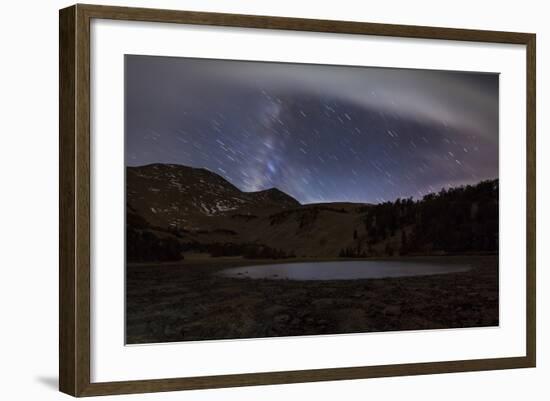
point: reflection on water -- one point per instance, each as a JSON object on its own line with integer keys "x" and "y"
{"x": 342, "y": 270}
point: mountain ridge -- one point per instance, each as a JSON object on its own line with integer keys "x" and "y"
{"x": 199, "y": 211}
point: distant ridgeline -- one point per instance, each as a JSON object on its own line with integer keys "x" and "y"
{"x": 172, "y": 210}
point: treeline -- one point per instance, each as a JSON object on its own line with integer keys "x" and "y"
{"x": 464, "y": 219}
{"x": 246, "y": 250}
{"x": 144, "y": 246}
{"x": 456, "y": 220}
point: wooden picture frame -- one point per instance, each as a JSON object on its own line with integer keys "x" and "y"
{"x": 74, "y": 206}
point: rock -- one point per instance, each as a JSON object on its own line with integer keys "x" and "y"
{"x": 155, "y": 327}
{"x": 295, "y": 322}
{"x": 324, "y": 302}
{"x": 275, "y": 310}
{"x": 392, "y": 310}
{"x": 170, "y": 330}
{"x": 281, "y": 319}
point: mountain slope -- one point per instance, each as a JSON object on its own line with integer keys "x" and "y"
{"x": 169, "y": 195}
{"x": 171, "y": 204}
{"x": 201, "y": 208}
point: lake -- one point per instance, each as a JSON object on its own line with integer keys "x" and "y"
{"x": 342, "y": 270}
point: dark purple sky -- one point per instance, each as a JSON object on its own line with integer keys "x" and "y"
{"x": 319, "y": 133}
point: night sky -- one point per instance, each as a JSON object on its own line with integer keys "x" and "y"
{"x": 319, "y": 133}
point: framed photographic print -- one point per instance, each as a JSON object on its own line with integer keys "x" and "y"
{"x": 251, "y": 200}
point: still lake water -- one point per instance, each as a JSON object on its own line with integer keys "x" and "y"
{"x": 342, "y": 270}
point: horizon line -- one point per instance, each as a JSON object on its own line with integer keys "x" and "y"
{"x": 314, "y": 202}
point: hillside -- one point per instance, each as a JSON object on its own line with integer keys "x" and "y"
{"x": 174, "y": 209}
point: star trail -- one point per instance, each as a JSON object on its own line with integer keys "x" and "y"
{"x": 320, "y": 133}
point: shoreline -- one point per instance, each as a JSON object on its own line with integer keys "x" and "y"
{"x": 230, "y": 261}
{"x": 191, "y": 303}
